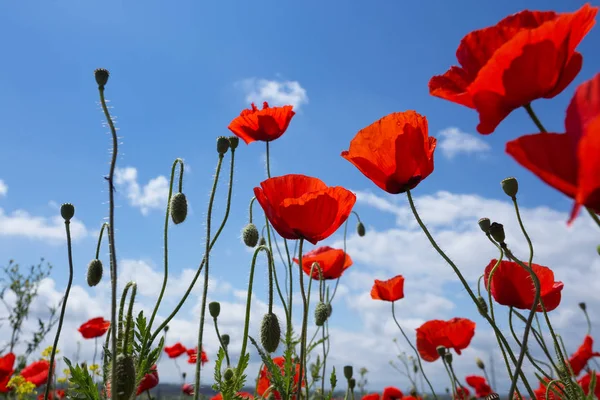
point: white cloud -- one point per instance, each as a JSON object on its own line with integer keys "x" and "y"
{"x": 152, "y": 195}
{"x": 275, "y": 92}
{"x": 453, "y": 141}
{"x": 22, "y": 224}
{"x": 3, "y": 188}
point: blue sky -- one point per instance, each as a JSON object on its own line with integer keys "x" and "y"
{"x": 181, "y": 71}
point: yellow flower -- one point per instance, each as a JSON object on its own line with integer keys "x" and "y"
{"x": 48, "y": 351}
{"x": 67, "y": 371}
{"x": 93, "y": 367}
{"x": 21, "y": 386}
{"x": 61, "y": 380}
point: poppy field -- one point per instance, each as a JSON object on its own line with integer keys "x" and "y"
{"x": 509, "y": 66}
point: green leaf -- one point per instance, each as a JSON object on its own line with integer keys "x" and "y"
{"x": 82, "y": 386}
{"x": 275, "y": 375}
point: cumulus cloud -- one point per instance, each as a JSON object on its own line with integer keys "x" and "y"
{"x": 453, "y": 141}
{"x": 3, "y": 188}
{"x": 152, "y": 195}
{"x": 275, "y": 92}
{"x": 22, "y": 224}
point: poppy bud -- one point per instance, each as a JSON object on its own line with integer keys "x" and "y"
{"x": 320, "y": 314}
{"x": 178, "y": 208}
{"x": 228, "y": 375}
{"x": 222, "y": 145}
{"x": 214, "y": 307}
{"x": 492, "y": 396}
{"x": 329, "y": 310}
{"x": 582, "y": 306}
{"x": 94, "y": 272}
{"x": 447, "y": 390}
{"x": 510, "y": 186}
{"x": 348, "y": 371}
{"x": 497, "y": 232}
{"x": 225, "y": 339}
{"x": 441, "y": 350}
{"x": 482, "y": 306}
{"x": 351, "y": 383}
{"x": 184, "y": 375}
{"x": 250, "y": 235}
{"x": 413, "y": 392}
{"x": 448, "y": 357}
{"x": 262, "y": 241}
{"x": 67, "y": 211}
{"x": 270, "y": 332}
{"x": 484, "y": 224}
{"x": 415, "y": 368}
{"x": 479, "y": 363}
{"x": 166, "y": 329}
{"x": 101, "y": 76}
{"x": 126, "y": 373}
{"x": 234, "y": 141}
{"x": 360, "y": 229}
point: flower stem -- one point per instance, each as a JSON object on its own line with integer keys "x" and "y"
{"x": 534, "y": 118}
{"x": 104, "y": 225}
{"x": 594, "y": 216}
{"x": 62, "y": 311}
{"x": 221, "y": 342}
{"x": 304, "y": 319}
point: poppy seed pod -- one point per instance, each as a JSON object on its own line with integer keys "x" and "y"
{"x": 234, "y": 141}
{"x": 126, "y": 373}
{"x": 101, "y": 76}
{"x": 360, "y": 229}
{"x": 222, "y": 145}
{"x": 262, "y": 241}
{"x": 67, "y": 211}
{"x": 441, "y": 350}
{"x": 94, "y": 272}
{"x": 348, "y": 371}
{"x": 270, "y": 332}
{"x": 482, "y": 306}
{"x": 250, "y": 235}
{"x": 510, "y": 186}
{"x": 320, "y": 314}
{"x": 497, "y": 232}
{"x": 484, "y": 224}
{"x": 178, "y": 208}
{"x": 479, "y": 363}
{"x": 448, "y": 357}
{"x": 351, "y": 383}
{"x": 214, "y": 307}
{"x": 582, "y": 306}
{"x": 225, "y": 339}
{"x": 228, "y": 375}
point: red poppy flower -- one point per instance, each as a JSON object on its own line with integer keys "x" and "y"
{"x": 6, "y": 370}
{"x": 243, "y": 395}
{"x": 482, "y": 388}
{"x": 193, "y": 354}
{"x": 371, "y": 396}
{"x": 176, "y": 350}
{"x": 453, "y": 334}
{"x": 391, "y": 393}
{"x": 265, "y": 125}
{"x": 390, "y": 290}
{"x": 412, "y": 398}
{"x": 53, "y": 394}
{"x": 94, "y": 328}
{"x": 299, "y": 206}
{"x": 555, "y": 392}
{"x": 526, "y": 56}
{"x": 512, "y": 286}
{"x": 36, "y": 372}
{"x": 264, "y": 379}
{"x": 584, "y": 353}
{"x": 187, "y": 389}
{"x": 149, "y": 381}
{"x": 462, "y": 393}
{"x": 333, "y": 262}
{"x": 585, "y": 381}
{"x": 396, "y": 152}
{"x": 568, "y": 162}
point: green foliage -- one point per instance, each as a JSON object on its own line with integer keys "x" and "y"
{"x": 81, "y": 384}
{"x": 276, "y": 378}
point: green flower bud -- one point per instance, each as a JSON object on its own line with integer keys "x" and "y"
{"x": 482, "y": 306}
{"x": 441, "y": 350}
{"x": 479, "y": 363}
{"x": 184, "y": 375}
{"x": 178, "y": 208}
{"x": 262, "y": 241}
{"x": 125, "y": 385}
{"x": 320, "y": 314}
{"x": 94, "y": 272}
{"x": 351, "y": 383}
{"x": 270, "y": 332}
{"x": 166, "y": 328}
{"x": 214, "y": 307}
{"x": 497, "y": 232}
{"x": 360, "y": 229}
{"x": 67, "y": 211}
{"x": 484, "y": 224}
{"x": 510, "y": 186}
{"x": 228, "y": 375}
{"x": 250, "y": 235}
{"x": 448, "y": 357}
{"x": 225, "y": 339}
{"x": 413, "y": 392}
{"x": 222, "y": 145}
{"x": 348, "y": 371}
{"x": 582, "y": 306}
{"x": 101, "y": 76}
{"x": 234, "y": 141}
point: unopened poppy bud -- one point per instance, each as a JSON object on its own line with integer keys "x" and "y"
{"x": 214, "y": 307}
{"x": 360, "y": 229}
{"x": 497, "y": 232}
{"x": 320, "y": 314}
{"x": 94, "y": 272}
{"x": 67, "y": 211}
{"x": 447, "y": 390}
{"x": 184, "y": 375}
{"x": 441, "y": 350}
{"x": 125, "y": 384}
{"x": 250, "y": 235}
{"x": 348, "y": 371}
{"x": 262, "y": 241}
{"x": 178, "y": 208}
{"x": 166, "y": 328}
{"x": 415, "y": 368}
{"x": 448, "y": 357}
{"x": 479, "y": 363}
{"x": 482, "y": 306}
{"x": 270, "y": 332}
{"x": 510, "y": 186}
{"x": 222, "y": 145}
{"x": 413, "y": 392}
{"x": 234, "y": 141}
{"x": 484, "y": 224}
{"x": 225, "y": 339}
{"x": 101, "y": 76}
{"x": 329, "y": 310}
{"x": 228, "y": 375}
{"x": 492, "y": 396}
{"x": 351, "y": 383}
{"x": 582, "y": 306}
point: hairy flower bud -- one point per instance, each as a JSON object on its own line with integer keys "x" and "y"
{"x": 178, "y": 208}
{"x": 360, "y": 229}
{"x": 482, "y": 306}
{"x": 484, "y": 224}
{"x": 214, "y": 307}
{"x": 234, "y": 141}
{"x": 222, "y": 145}
{"x": 67, "y": 211}
{"x": 94, "y": 272}
{"x": 250, "y": 235}
{"x": 228, "y": 375}
{"x": 497, "y": 232}
{"x": 101, "y": 76}
{"x": 320, "y": 314}
{"x": 348, "y": 371}
{"x": 126, "y": 373}
{"x": 270, "y": 332}
{"x": 225, "y": 339}
{"x": 510, "y": 186}
{"x": 479, "y": 363}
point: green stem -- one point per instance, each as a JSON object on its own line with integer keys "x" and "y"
{"x": 62, "y": 311}
{"x": 452, "y": 381}
{"x": 304, "y": 319}
{"x": 221, "y": 342}
{"x": 534, "y": 118}
{"x": 589, "y": 323}
{"x": 104, "y": 225}
{"x": 532, "y": 360}
{"x": 268, "y": 162}
{"x": 594, "y": 216}
{"x": 129, "y": 318}
{"x": 414, "y": 349}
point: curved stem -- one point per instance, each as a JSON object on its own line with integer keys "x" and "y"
{"x": 104, "y": 225}
{"x": 62, "y": 311}
{"x": 414, "y": 349}
{"x": 532, "y": 360}
{"x": 589, "y": 323}
{"x": 221, "y": 342}
{"x": 534, "y": 118}
{"x": 129, "y": 318}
